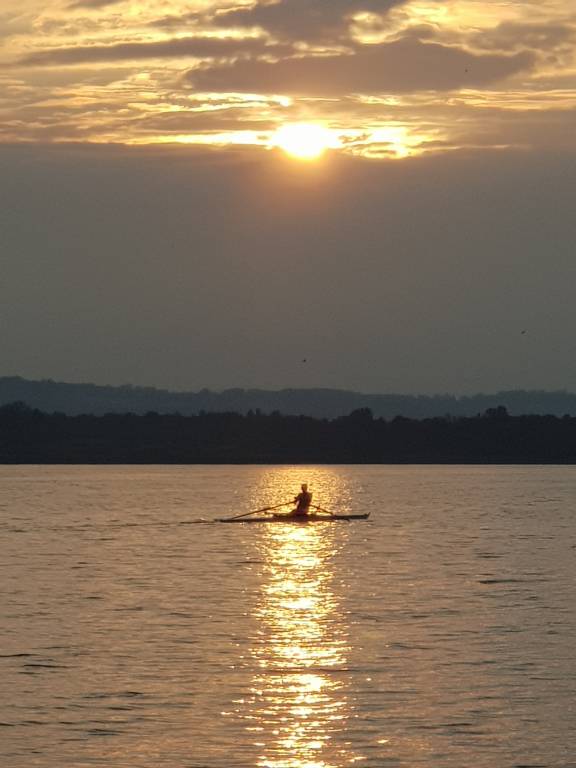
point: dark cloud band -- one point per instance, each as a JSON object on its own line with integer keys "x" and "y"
{"x": 200, "y": 47}
{"x": 406, "y": 65}
{"x": 93, "y": 3}
{"x": 302, "y": 19}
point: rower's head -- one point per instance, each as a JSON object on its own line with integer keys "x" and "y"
{"x": 304, "y": 486}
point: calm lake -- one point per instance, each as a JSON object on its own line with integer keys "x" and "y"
{"x": 136, "y": 633}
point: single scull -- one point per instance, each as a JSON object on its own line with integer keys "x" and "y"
{"x": 293, "y": 518}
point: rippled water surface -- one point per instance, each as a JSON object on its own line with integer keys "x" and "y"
{"x": 137, "y": 633}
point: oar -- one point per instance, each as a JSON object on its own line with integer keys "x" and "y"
{"x": 255, "y": 512}
{"x": 327, "y": 511}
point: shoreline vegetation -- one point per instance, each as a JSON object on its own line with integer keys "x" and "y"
{"x": 31, "y": 436}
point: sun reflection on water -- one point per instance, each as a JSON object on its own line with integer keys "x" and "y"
{"x": 299, "y": 703}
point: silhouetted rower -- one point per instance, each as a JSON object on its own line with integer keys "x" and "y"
{"x": 302, "y": 501}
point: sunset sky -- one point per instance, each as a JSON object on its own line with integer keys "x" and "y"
{"x": 154, "y": 229}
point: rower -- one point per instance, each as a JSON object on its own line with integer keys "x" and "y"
{"x": 302, "y": 501}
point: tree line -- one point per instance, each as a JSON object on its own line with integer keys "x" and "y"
{"x": 28, "y": 435}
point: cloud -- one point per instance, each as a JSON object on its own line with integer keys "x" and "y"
{"x": 199, "y": 47}
{"x": 185, "y": 122}
{"x": 93, "y": 3}
{"x": 13, "y": 24}
{"x": 404, "y": 65}
{"x": 512, "y": 36}
{"x": 302, "y": 19}
{"x": 543, "y": 129}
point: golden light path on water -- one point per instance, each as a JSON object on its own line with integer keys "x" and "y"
{"x": 299, "y": 705}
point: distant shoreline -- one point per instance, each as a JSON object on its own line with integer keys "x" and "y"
{"x": 321, "y": 403}
{"x": 29, "y": 436}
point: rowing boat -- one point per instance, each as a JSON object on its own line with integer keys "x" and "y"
{"x": 294, "y": 518}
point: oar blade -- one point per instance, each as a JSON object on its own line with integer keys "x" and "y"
{"x": 256, "y": 511}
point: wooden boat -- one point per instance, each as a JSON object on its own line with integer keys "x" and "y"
{"x": 294, "y": 518}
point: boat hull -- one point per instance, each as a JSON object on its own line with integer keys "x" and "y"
{"x": 294, "y": 518}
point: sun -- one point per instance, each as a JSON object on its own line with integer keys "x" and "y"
{"x": 305, "y": 141}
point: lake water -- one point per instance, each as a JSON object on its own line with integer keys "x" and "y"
{"x": 440, "y": 633}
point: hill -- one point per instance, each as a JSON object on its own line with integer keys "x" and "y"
{"x": 74, "y": 399}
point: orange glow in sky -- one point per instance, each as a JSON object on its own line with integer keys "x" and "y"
{"x": 405, "y": 79}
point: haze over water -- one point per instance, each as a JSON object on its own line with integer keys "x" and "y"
{"x": 441, "y": 633}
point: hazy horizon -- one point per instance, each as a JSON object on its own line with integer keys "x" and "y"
{"x": 132, "y": 385}
{"x": 175, "y": 270}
